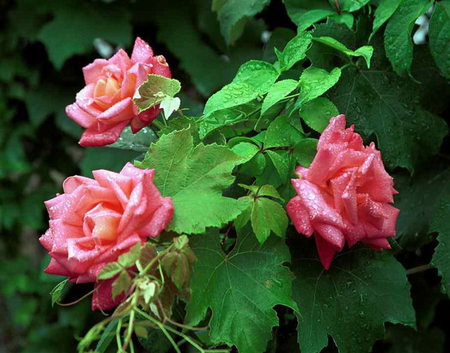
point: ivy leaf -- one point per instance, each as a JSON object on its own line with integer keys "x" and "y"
{"x": 129, "y": 258}
{"x": 441, "y": 258}
{"x": 366, "y": 51}
{"x": 350, "y": 302}
{"x": 233, "y": 12}
{"x": 317, "y": 113}
{"x": 138, "y": 142}
{"x": 56, "y": 292}
{"x": 253, "y": 79}
{"x": 121, "y": 284}
{"x": 384, "y": 11}
{"x": 397, "y": 37}
{"x": 194, "y": 177}
{"x": 294, "y": 51}
{"x": 315, "y": 82}
{"x": 241, "y": 288}
{"x": 439, "y": 34}
{"x": 111, "y": 23}
{"x": 381, "y": 103}
{"x": 280, "y": 160}
{"x": 246, "y": 150}
{"x": 110, "y": 270}
{"x": 277, "y": 92}
{"x": 154, "y": 90}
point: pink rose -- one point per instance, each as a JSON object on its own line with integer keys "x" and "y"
{"x": 105, "y": 106}
{"x": 95, "y": 221}
{"x": 345, "y": 195}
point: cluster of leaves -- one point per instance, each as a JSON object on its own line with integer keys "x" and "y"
{"x": 257, "y": 284}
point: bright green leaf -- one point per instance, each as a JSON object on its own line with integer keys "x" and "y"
{"x": 294, "y": 51}
{"x": 350, "y": 302}
{"x": 56, "y": 292}
{"x": 350, "y": 5}
{"x": 314, "y": 82}
{"x": 365, "y": 51}
{"x": 397, "y": 37}
{"x": 246, "y": 150}
{"x": 384, "y": 11}
{"x": 129, "y": 258}
{"x": 194, "y": 177}
{"x": 253, "y": 79}
{"x": 439, "y": 34}
{"x": 268, "y": 216}
{"x": 154, "y": 90}
{"x": 317, "y": 113}
{"x": 283, "y": 132}
{"x": 243, "y": 315}
{"x": 277, "y": 92}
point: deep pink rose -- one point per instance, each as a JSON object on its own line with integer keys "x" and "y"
{"x": 105, "y": 106}
{"x": 95, "y": 221}
{"x": 345, "y": 195}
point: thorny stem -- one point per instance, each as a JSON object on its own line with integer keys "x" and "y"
{"x": 418, "y": 269}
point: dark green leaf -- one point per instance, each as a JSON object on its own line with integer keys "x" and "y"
{"x": 305, "y": 151}
{"x": 384, "y": 11}
{"x": 317, "y": 113}
{"x": 439, "y": 34}
{"x": 107, "y": 336}
{"x": 241, "y": 288}
{"x": 350, "y": 302}
{"x": 283, "y": 132}
{"x": 138, "y": 142}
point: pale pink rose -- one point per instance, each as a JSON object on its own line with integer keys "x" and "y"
{"x": 105, "y": 106}
{"x": 345, "y": 195}
{"x": 96, "y": 220}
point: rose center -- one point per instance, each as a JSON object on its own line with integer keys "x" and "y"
{"x": 107, "y": 87}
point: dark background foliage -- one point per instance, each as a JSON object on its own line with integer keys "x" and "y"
{"x": 43, "y": 47}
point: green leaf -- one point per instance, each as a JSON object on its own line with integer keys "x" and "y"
{"x": 384, "y": 11}
{"x": 228, "y": 117}
{"x": 365, "y": 51}
{"x": 350, "y": 302}
{"x": 381, "y": 103}
{"x": 121, "y": 284}
{"x": 253, "y": 79}
{"x": 314, "y": 82}
{"x": 277, "y": 92}
{"x": 56, "y": 292}
{"x": 154, "y": 90}
{"x": 441, "y": 258}
{"x": 108, "y": 22}
{"x": 305, "y": 151}
{"x": 129, "y": 258}
{"x": 110, "y": 270}
{"x": 241, "y": 288}
{"x": 107, "y": 336}
{"x": 283, "y": 132}
{"x": 317, "y": 113}
{"x": 294, "y": 51}
{"x": 268, "y": 216}
{"x": 265, "y": 190}
{"x": 246, "y": 150}
{"x": 305, "y": 13}
{"x": 194, "y": 177}
{"x": 439, "y": 34}
{"x": 233, "y": 12}
{"x": 280, "y": 160}
{"x": 397, "y": 37}
{"x": 351, "y": 5}
{"x": 138, "y": 142}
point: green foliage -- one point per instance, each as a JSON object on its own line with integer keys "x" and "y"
{"x": 440, "y": 36}
{"x": 242, "y": 315}
{"x": 317, "y": 113}
{"x": 314, "y": 82}
{"x": 351, "y": 301}
{"x": 277, "y": 92}
{"x": 194, "y": 177}
{"x": 294, "y": 51}
{"x": 153, "y": 91}
{"x": 56, "y": 292}
{"x": 397, "y": 38}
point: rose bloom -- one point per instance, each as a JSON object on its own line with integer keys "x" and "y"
{"x": 345, "y": 195}
{"x": 95, "y": 221}
{"x": 105, "y": 106}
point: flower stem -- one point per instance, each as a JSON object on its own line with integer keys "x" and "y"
{"x": 418, "y": 269}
